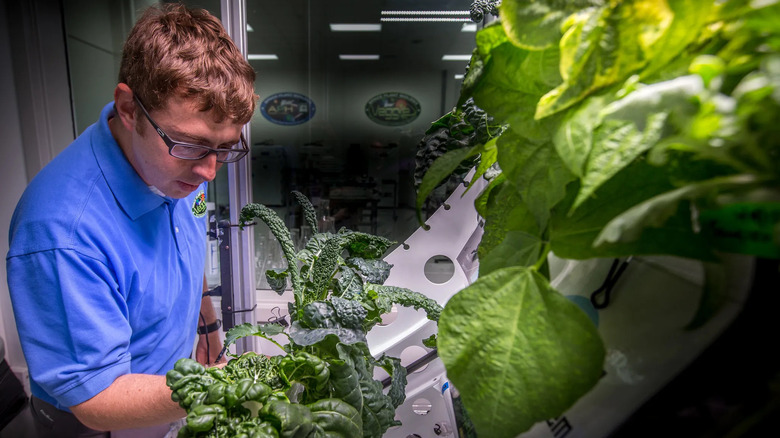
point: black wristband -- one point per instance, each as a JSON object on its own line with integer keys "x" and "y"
{"x": 206, "y": 329}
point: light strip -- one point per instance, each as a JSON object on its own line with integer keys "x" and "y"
{"x": 456, "y": 57}
{"x": 362, "y": 27}
{"x": 469, "y": 27}
{"x": 459, "y": 77}
{"x": 425, "y": 19}
{"x": 467, "y": 13}
{"x": 262, "y": 57}
{"x": 358, "y": 57}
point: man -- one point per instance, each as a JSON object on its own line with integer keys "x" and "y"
{"x": 107, "y": 244}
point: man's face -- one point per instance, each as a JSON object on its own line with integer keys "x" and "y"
{"x": 181, "y": 121}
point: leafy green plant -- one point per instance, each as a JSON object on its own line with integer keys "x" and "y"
{"x": 634, "y": 128}
{"x": 324, "y": 385}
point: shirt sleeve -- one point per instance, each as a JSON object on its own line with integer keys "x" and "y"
{"x": 72, "y": 322}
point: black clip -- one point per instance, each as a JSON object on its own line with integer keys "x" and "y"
{"x": 277, "y": 318}
{"x": 615, "y": 272}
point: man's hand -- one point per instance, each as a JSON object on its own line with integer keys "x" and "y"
{"x": 208, "y": 349}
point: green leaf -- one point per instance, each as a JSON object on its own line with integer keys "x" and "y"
{"x": 573, "y": 235}
{"x": 309, "y": 214}
{"x": 246, "y": 329}
{"x": 367, "y": 246}
{"x": 616, "y": 144}
{"x": 337, "y": 418}
{"x": 345, "y": 383}
{"x": 487, "y": 158}
{"x": 510, "y": 86}
{"x": 656, "y": 211}
{"x": 282, "y": 234}
{"x": 511, "y": 235}
{"x": 323, "y": 269}
{"x": 510, "y": 343}
{"x": 290, "y": 419}
{"x": 605, "y": 45}
{"x": 349, "y": 284}
{"x": 537, "y": 24}
{"x": 304, "y": 336}
{"x": 482, "y": 200}
{"x": 439, "y": 170}
{"x": 537, "y": 172}
{"x": 690, "y": 17}
{"x": 574, "y": 137}
{"x": 397, "y": 373}
{"x": 386, "y": 296}
{"x": 320, "y": 319}
{"x": 377, "y": 409}
{"x": 372, "y": 271}
{"x": 277, "y": 280}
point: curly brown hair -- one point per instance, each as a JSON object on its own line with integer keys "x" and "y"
{"x": 173, "y": 50}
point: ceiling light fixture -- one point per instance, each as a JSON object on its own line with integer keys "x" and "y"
{"x": 358, "y": 57}
{"x": 426, "y": 16}
{"x": 357, "y": 27}
{"x": 466, "y": 13}
{"x": 456, "y": 57}
{"x": 424, "y": 20}
{"x": 262, "y": 57}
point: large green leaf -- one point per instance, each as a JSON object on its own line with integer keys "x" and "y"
{"x": 537, "y": 24}
{"x": 655, "y": 212}
{"x": 511, "y": 236}
{"x": 574, "y": 137}
{"x": 510, "y": 83}
{"x": 517, "y": 350}
{"x": 537, "y": 172}
{"x": 573, "y": 235}
{"x": 690, "y": 16}
{"x": 604, "y": 45}
{"x": 616, "y": 144}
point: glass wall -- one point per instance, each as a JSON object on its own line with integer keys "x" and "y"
{"x": 347, "y": 90}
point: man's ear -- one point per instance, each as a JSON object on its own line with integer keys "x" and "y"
{"x": 125, "y": 106}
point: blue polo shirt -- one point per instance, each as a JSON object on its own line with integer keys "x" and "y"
{"x": 105, "y": 275}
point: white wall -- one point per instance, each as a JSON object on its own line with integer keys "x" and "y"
{"x": 13, "y": 179}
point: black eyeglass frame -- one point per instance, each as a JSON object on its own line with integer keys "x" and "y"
{"x": 206, "y": 150}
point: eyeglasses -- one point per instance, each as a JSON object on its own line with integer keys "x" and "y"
{"x": 188, "y": 151}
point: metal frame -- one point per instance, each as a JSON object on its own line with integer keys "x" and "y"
{"x": 240, "y": 293}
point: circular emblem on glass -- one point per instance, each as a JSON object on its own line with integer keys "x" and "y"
{"x": 287, "y": 108}
{"x": 392, "y": 109}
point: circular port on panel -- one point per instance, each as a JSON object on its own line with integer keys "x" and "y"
{"x": 421, "y": 406}
{"x": 411, "y": 354}
{"x": 439, "y": 269}
{"x": 390, "y": 317}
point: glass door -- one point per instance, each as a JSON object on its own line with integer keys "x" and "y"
{"x": 347, "y": 91}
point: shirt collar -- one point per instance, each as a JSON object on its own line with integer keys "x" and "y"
{"x": 131, "y": 192}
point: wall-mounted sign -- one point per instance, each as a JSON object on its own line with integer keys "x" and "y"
{"x": 392, "y": 109}
{"x": 287, "y": 108}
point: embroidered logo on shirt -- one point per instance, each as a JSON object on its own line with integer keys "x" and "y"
{"x": 199, "y": 205}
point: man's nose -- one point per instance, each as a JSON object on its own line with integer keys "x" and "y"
{"x": 207, "y": 167}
